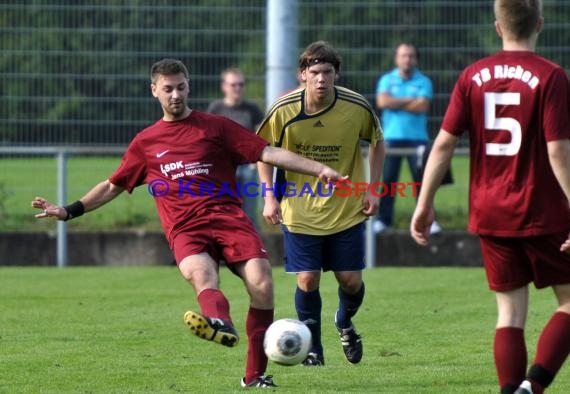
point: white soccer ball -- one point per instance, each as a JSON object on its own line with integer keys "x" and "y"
{"x": 287, "y": 341}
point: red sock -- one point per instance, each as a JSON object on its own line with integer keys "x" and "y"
{"x": 213, "y": 303}
{"x": 258, "y": 320}
{"x": 551, "y": 351}
{"x": 510, "y": 354}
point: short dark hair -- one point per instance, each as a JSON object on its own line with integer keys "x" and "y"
{"x": 320, "y": 52}
{"x": 167, "y": 67}
{"x": 518, "y": 17}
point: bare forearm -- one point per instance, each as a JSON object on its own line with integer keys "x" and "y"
{"x": 266, "y": 177}
{"x": 290, "y": 161}
{"x": 101, "y": 194}
{"x": 559, "y": 155}
{"x": 376, "y": 156}
{"x": 437, "y": 165}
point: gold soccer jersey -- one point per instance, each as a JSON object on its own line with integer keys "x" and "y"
{"x": 331, "y": 137}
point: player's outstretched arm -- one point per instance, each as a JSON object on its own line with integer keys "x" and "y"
{"x": 101, "y": 194}
{"x": 290, "y": 161}
{"x": 559, "y": 156}
{"x": 437, "y": 165}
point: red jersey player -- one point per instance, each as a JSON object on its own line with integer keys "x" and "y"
{"x": 515, "y": 106}
{"x": 189, "y": 160}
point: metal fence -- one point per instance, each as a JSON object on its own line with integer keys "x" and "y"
{"x": 35, "y": 168}
{"x": 76, "y": 72}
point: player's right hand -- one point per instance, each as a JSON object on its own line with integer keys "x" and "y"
{"x": 421, "y": 224}
{"x": 565, "y": 247}
{"x": 328, "y": 175}
{"x": 272, "y": 211}
{"x": 48, "y": 209}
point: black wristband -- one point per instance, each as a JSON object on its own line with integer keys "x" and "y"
{"x": 74, "y": 210}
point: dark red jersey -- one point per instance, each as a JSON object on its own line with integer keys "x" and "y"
{"x": 512, "y": 103}
{"x": 189, "y": 165}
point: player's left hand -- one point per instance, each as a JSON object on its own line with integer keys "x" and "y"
{"x": 421, "y": 224}
{"x": 48, "y": 209}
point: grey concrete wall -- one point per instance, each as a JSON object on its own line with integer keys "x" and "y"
{"x": 394, "y": 248}
{"x": 86, "y": 248}
{"x": 451, "y": 248}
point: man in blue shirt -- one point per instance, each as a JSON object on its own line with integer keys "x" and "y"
{"x": 403, "y": 95}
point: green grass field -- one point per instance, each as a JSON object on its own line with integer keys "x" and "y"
{"x": 120, "y": 330}
{"x": 23, "y": 179}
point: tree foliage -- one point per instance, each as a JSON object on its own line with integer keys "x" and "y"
{"x": 77, "y": 72}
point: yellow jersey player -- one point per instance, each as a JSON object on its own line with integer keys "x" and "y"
{"x": 323, "y": 230}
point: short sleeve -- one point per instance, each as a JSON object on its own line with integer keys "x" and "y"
{"x": 132, "y": 170}
{"x": 371, "y": 130}
{"x": 269, "y": 129}
{"x": 556, "y": 104}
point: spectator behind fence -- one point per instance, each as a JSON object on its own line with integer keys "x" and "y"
{"x": 514, "y": 104}
{"x": 403, "y": 95}
{"x": 234, "y": 106}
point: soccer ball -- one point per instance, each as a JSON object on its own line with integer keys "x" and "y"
{"x": 287, "y": 341}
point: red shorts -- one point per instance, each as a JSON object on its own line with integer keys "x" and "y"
{"x": 511, "y": 263}
{"x": 224, "y": 232}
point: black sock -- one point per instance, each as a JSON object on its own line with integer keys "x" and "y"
{"x": 348, "y": 306}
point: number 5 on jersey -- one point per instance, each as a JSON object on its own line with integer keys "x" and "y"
{"x": 509, "y": 124}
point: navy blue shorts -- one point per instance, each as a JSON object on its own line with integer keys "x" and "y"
{"x": 342, "y": 251}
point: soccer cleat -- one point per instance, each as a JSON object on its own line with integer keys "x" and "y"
{"x": 351, "y": 342}
{"x": 314, "y": 360}
{"x": 524, "y": 388}
{"x": 212, "y": 329}
{"x": 265, "y": 381}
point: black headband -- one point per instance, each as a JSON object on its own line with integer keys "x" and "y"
{"x": 312, "y": 62}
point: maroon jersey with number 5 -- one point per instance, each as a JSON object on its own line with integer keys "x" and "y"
{"x": 512, "y": 103}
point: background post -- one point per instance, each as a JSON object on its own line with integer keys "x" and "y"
{"x": 61, "y": 201}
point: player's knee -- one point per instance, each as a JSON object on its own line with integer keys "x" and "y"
{"x": 201, "y": 279}
{"x": 308, "y": 281}
{"x": 265, "y": 286}
{"x": 351, "y": 286}
{"x": 262, "y": 292}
